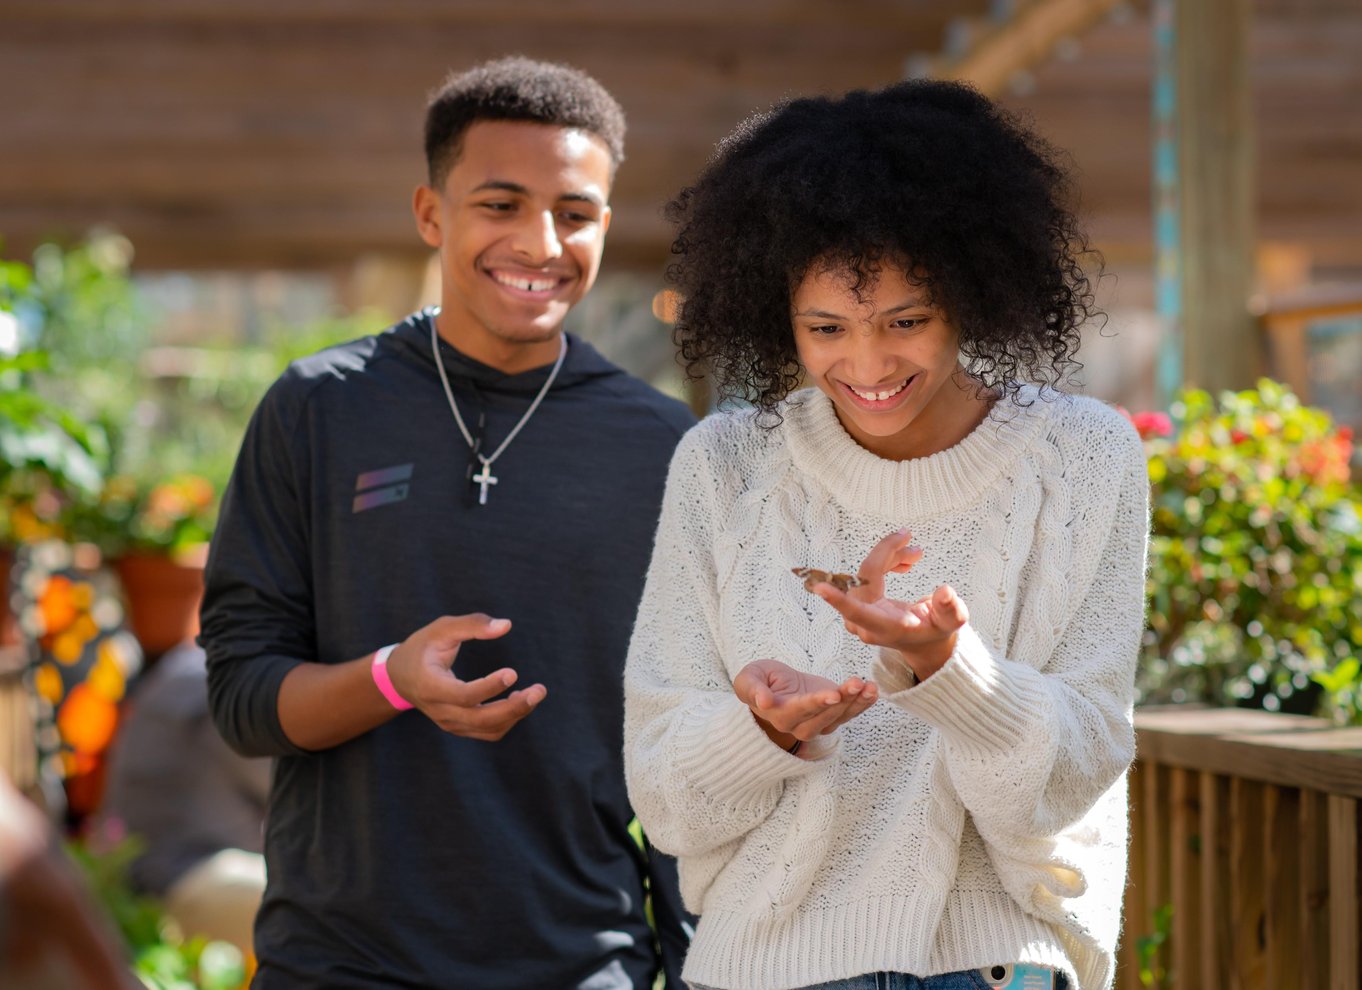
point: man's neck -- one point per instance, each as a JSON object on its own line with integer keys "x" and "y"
{"x": 508, "y": 357}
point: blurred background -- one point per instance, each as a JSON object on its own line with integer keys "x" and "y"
{"x": 195, "y": 192}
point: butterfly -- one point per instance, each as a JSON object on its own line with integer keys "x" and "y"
{"x": 812, "y": 576}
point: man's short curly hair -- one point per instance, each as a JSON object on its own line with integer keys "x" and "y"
{"x": 928, "y": 176}
{"x": 517, "y": 88}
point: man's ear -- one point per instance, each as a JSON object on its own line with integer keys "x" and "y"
{"x": 425, "y": 207}
{"x": 606, "y": 214}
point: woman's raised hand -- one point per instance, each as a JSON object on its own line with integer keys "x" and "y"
{"x": 923, "y": 631}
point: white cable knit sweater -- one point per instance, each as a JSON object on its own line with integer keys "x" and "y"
{"x": 978, "y": 817}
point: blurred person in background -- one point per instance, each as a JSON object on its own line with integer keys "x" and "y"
{"x": 52, "y": 936}
{"x": 196, "y": 807}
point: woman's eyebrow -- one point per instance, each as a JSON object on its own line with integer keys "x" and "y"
{"x": 911, "y": 303}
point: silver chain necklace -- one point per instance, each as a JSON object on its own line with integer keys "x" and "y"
{"x": 485, "y": 478}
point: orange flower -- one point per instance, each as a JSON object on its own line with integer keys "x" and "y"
{"x": 57, "y": 605}
{"x": 86, "y": 720}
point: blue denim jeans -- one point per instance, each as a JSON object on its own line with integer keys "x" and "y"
{"x": 965, "y": 980}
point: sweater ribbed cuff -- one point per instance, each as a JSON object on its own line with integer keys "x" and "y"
{"x": 978, "y": 701}
{"x": 726, "y": 756}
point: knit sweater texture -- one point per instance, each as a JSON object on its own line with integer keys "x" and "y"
{"x": 976, "y": 817}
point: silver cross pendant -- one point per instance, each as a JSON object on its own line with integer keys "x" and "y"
{"x": 483, "y": 479}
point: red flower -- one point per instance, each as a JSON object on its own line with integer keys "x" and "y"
{"x": 1152, "y": 424}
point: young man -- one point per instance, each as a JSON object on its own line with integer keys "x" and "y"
{"x": 420, "y": 521}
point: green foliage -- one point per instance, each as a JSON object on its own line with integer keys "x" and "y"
{"x": 38, "y": 436}
{"x": 195, "y": 402}
{"x": 43, "y": 450}
{"x": 1149, "y": 947}
{"x": 1255, "y": 574}
{"x": 77, "y": 304}
{"x": 162, "y": 424}
{"x": 163, "y": 958}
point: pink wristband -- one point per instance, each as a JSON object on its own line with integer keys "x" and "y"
{"x": 379, "y": 670}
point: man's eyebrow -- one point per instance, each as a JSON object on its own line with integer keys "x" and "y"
{"x": 500, "y": 185}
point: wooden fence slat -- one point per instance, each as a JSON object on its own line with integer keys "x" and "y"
{"x": 1184, "y": 848}
{"x": 1343, "y": 913}
{"x": 1314, "y": 889}
{"x": 1156, "y": 878}
{"x": 1248, "y": 964}
{"x": 1133, "y": 907}
{"x": 1215, "y": 880}
{"x": 1282, "y": 854}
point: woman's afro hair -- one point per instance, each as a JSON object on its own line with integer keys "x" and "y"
{"x": 928, "y": 176}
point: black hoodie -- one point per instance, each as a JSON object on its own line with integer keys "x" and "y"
{"x": 409, "y": 857}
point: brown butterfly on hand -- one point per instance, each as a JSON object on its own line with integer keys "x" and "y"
{"x": 813, "y": 576}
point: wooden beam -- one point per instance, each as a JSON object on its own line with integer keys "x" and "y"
{"x": 996, "y": 54}
{"x": 1221, "y": 345}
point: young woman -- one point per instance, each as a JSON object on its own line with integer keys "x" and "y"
{"x": 922, "y": 775}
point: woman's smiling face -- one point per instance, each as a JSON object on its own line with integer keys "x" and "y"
{"x": 885, "y": 355}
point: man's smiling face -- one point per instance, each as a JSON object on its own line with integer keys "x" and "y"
{"x": 520, "y": 223}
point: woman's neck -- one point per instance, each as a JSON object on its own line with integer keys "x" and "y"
{"x": 955, "y": 412}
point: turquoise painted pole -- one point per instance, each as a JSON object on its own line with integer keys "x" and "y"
{"x": 1167, "y": 233}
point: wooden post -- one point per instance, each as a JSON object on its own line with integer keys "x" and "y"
{"x": 1215, "y": 155}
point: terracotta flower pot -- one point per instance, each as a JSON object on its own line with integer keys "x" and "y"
{"x": 163, "y": 598}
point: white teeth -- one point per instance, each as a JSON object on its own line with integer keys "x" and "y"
{"x": 526, "y": 284}
{"x": 881, "y": 396}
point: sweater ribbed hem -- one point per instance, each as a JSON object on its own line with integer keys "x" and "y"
{"x": 899, "y": 934}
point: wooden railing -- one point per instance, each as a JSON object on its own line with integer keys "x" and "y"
{"x": 1245, "y": 823}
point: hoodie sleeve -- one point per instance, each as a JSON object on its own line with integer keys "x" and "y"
{"x": 257, "y": 616}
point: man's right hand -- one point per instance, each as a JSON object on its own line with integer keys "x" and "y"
{"x": 326, "y": 704}
{"x": 421, "y": 669}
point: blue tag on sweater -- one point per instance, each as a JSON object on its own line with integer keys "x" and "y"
{"x": 1018, "y": 976}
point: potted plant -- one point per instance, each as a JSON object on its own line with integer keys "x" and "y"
{"x": 155, "y": 536}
